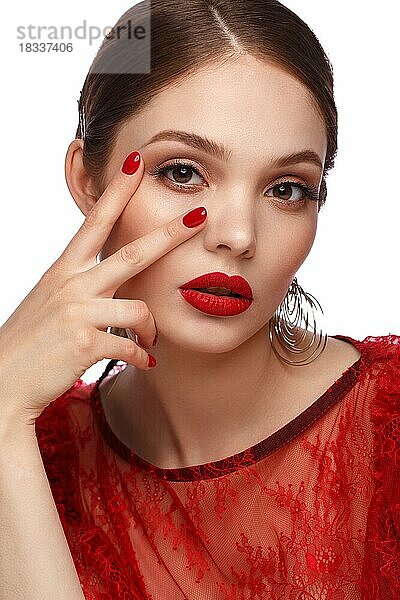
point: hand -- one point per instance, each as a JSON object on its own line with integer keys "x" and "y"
{"x": 60, "y": 329}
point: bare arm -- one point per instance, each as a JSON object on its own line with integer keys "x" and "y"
{"x": 72, "y": 305}
{"x": 35, "y": 559}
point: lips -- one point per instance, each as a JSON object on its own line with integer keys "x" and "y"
{"x": 234, "y": 283}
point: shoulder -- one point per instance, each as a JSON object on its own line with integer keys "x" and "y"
{"x": 383, "y": 348}
{"x": 379, "y": 348}
{"x": 379, "y": 361}
{"x": 379, "y": 373}
{"x": 381, "y": 357}
{"x": 383, "y": 354}
{"x": 385, "y": 416}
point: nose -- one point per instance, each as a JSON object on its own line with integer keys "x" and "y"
{"x": 231, "y": 225}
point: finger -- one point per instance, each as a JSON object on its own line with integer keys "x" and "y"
{"x": 96, "y": 228}
{"x": 117, "y": 312}
{"x": 134, "y": 257}
{"x": 109, "y": 346}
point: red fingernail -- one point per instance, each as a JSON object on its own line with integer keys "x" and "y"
{"x": 152, "y": 361}
{"x": 195, "y": 217}
{"x": 131, "y": 163}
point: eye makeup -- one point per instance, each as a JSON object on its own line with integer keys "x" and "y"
{"x": 309, "y": 192}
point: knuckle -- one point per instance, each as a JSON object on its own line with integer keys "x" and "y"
{"x": 141, "y": 309}
{"x": 59, "y": 274}
{"x": 134, "y": 354}
{"x": 132, "y": 254}
{"x": 54, "y": 277}
{"x": 131, "y": 350}
{"x": 172, "y": 230}
{"x": 129, "y": 347}
{"x": 62, "y": 291}
{"x": 73, "y": 310}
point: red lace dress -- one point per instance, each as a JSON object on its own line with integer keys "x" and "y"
{"x": 311, "y": 512}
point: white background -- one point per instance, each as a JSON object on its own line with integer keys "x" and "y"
{"x": 353, "y": 267}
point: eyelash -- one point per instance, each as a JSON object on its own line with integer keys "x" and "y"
{"x": 311, "y": 192}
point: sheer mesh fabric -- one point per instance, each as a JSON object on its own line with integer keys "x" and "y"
{"x": 311, "y": 512}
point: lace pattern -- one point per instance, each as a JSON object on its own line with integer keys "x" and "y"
{"x": 310, "y": 513}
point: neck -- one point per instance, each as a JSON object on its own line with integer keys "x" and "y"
{"x": 197, "y": 407}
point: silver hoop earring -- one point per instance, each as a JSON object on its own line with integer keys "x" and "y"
{"x": 286, "y": 329}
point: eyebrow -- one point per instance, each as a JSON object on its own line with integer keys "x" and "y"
{"x": 221, "y": 152}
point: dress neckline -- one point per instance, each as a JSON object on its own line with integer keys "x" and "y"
{"x": 251, "y": 455}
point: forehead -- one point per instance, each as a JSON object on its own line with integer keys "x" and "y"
{"x": 245, "y": 103}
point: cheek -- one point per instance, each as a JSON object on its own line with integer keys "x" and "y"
{"x": 289, "y": 245}
{"x": 146, "y": 211}
{"x": 302, "y": 248}
{"x": 137, "y": 220}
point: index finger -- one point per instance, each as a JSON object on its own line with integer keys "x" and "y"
{"x": 136, "y": 256}
{"x": 96, "y": 228}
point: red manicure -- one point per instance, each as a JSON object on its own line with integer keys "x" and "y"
{"x": 131, "y": 163}
{"x": 152, "y": 361}
{"x": 195, "y": 217}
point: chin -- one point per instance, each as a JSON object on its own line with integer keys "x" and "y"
{"x": 209, "y": 340}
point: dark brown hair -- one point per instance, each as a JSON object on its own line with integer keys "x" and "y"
{"x": 184, "y": 37}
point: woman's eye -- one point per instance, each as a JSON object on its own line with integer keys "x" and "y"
{"x": 181, "y": 174}
{"x": 284, "y": 191}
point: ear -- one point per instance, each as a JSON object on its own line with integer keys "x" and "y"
{"x": 80, "y": 184}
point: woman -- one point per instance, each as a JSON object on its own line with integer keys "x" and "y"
{"x": 247, "y": 456}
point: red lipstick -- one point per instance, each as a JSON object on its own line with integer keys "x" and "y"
{"x": 218, "y": 294}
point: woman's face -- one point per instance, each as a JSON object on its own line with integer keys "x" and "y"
{"x": 255, "y": 227}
